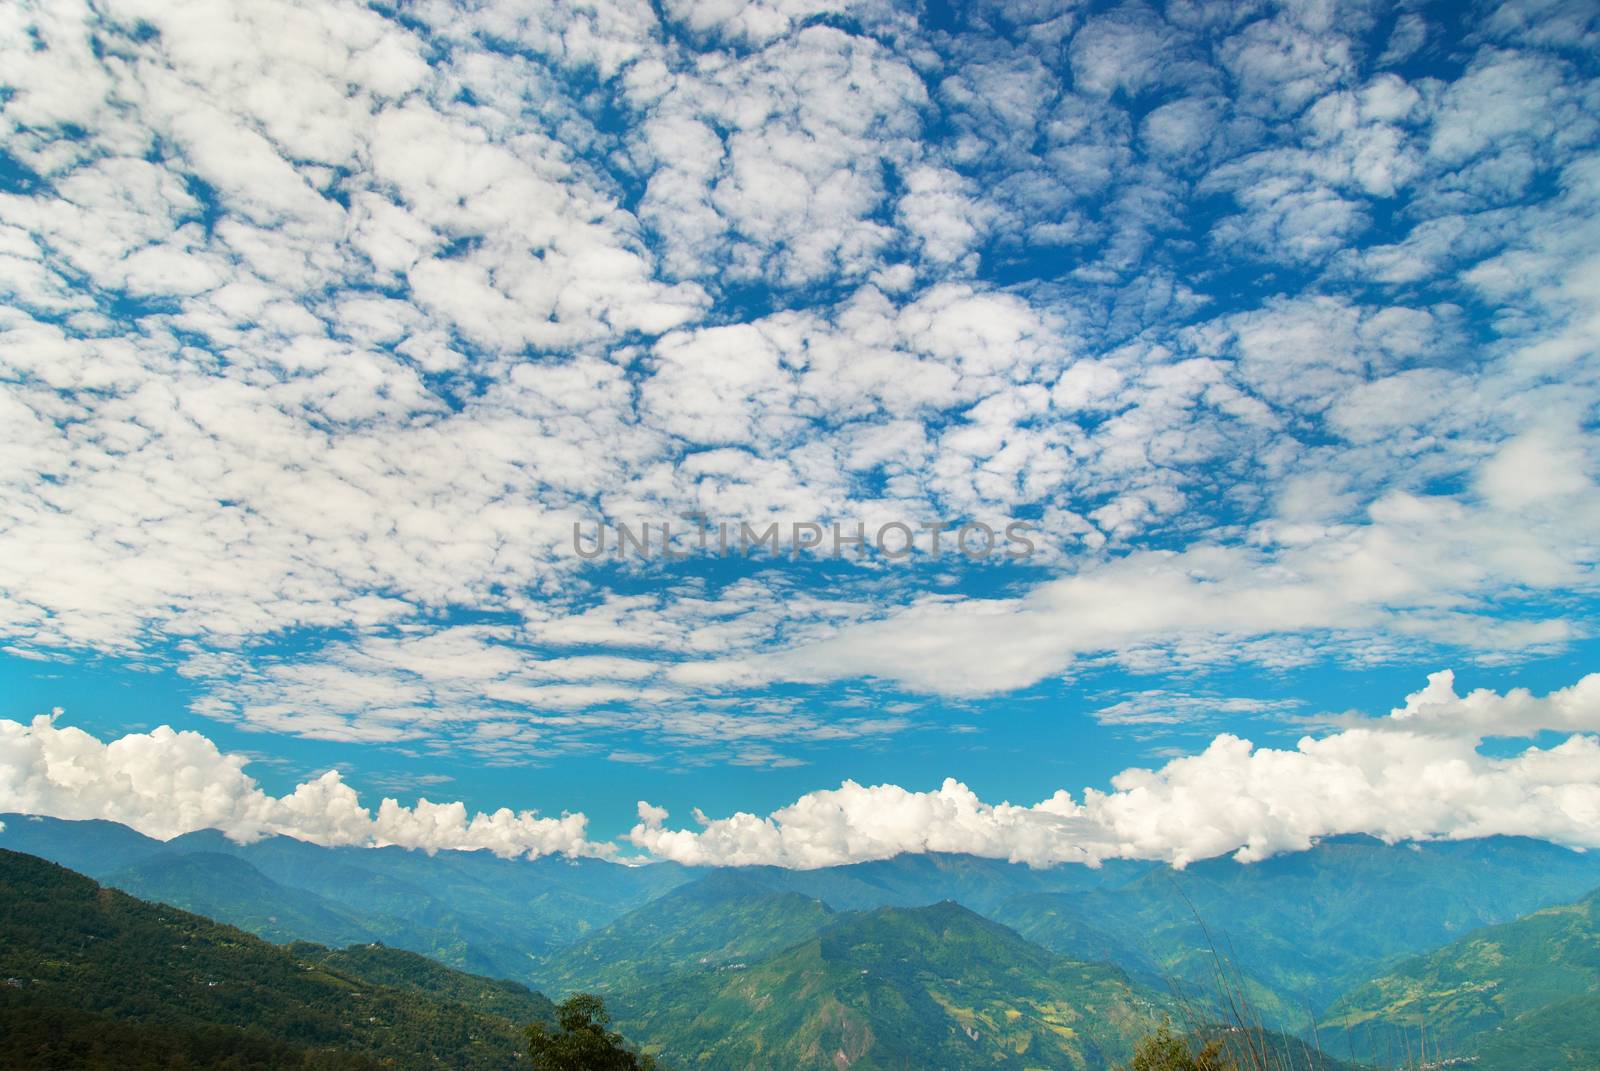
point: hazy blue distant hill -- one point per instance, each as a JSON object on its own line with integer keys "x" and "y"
{"x": 96, "y": 978}
{"x": 90, "y": 847}
{"x": 1305, "y": 926}
{"x": 228, "y": 888}
{"x": 441, "y": 915}
{"x": 472, "y": 910}
{"x": 1523, "y": 996}
{"x": 1301, "y": 927}
{"x": 918, "y": 880}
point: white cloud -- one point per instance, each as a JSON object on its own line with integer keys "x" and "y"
{"x": 770, "y": 166}
{"x": 1403, "y": 572}
{"x": 1534, "y": 468}
{"x": 320, "y": 324}
{"x": 165, "y": 783}
{"x": 1130, "y": 49}
{"x": 1409, "y": 33}
{"x": 1160, "y": 707}
{"x": 1482, "y": 712}
{"x": 1181, "y": 128}
{"x": 1283, "y": 62}
{"x": 749, "y": 20}
{"x": 1415, "y": 775}
{"x": 941, "y": 212}
{"x": 854, "y": 823}
{"x": 1505, "y": 101}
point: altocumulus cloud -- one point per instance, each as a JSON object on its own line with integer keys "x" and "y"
{"x": 299, "y": 287}
{"x": 1415, "y": 774}
{"x": 320, "y": 321}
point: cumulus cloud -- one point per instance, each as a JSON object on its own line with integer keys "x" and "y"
{"x": 1484, "y": 712}
{"x": 165, "y": 783}
{"x": 1417, "y": 774}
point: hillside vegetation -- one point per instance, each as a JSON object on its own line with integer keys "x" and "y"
{"x": 860, "y": 965}
{"x": 1302, "y": 928}
{"x": 95, "y": 978}
{"x": 471, "y": 910}
{"x": 1513, "y": 997}
{"x": 719, "y": 923}
{"x": 1305, "y": 927}
{"x": 933, "y": 987}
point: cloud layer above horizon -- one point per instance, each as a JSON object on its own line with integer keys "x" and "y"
{"x": 1417, "y": 774}
{"x": 321, "y": 323}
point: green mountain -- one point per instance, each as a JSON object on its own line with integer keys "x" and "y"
{"x": 1521, "y": 996}
{"x": 710, "y": 925}
{"x": 92, "y": 847}
{"x": 91, "y": 977}
{"x": 732, "y": 924}
{"x": 228, "y": 888}
{"x": 984, "y": 885}
{"x": 1302, "y": 928}
{"x": 399, "y": 969}
{"x": 471, "y": 910}
{"x": 896, "y": 988}
{"x": 1559, "y": 1036}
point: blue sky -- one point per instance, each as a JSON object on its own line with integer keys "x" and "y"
{"x": 324, "y": 323}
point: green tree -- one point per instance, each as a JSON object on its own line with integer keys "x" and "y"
{"x": 1165, "y": 1051}
{"x": 581, "y": 1040}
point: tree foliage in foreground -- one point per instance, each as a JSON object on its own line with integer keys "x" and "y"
{"x": 1166, "y": 1051}
{"x": 1229, "y": 1049}
{"x": 581, "y": 1040}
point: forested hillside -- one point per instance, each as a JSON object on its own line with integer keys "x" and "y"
{"x": 1513, "y": 997}
{"x": 95, "y": 978}
{"x": 775, "y": 969}
{"x": 933, "y": 987}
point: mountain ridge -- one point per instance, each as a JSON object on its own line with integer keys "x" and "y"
{"x": 81, "y": 960}
{"x": 932, "y": 986}
{"x": 1495, "y": 995}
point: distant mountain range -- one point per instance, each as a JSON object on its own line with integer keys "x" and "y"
{"x": 471, "y": 910}
{"x": 1305, "y": 927}
{"x": 1514, "y": 997}
{"x": 937, "y": 960}
{"x": 728, "y": 972}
